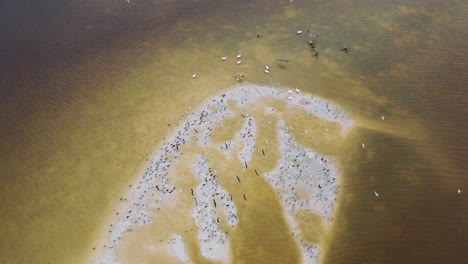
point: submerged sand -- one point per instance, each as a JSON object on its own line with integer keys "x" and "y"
{"x": 249, "y": 127}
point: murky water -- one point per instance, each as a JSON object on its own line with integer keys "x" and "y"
{"x": 89, "y": 89}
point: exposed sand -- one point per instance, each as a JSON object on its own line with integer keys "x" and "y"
{"x": 302, "y": 178}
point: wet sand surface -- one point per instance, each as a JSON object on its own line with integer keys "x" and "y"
{"x": 89, "y": 89}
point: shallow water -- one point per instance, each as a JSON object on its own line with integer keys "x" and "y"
{"x": 89, "y": 89}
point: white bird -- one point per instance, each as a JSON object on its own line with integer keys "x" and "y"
{"x": 238, "y": 76}
{"x": 459, "y": 191}
{"x": 194, "y": 76}
{"x": 299, "y": 32}
{"x": 363, "y": 145}
{"x": 267, "y": 67}
{"x": 238, "y": 62}
{"x": 312, "y": 35}
{"x": 290, "y": 92}
{"x": 376, "y": 194}
{"x": 382, "y": 117}
{"x": 266, "y": 71}
{"x": 224, "y": 58}
{"x": 298, "y": 91}
{"x": 290, "y": 98}
{"x": 239, "y": 56}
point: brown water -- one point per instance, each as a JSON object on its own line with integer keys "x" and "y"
{"x": 88, "y": 89}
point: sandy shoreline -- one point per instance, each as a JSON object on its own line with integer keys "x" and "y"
{"x": 297, "y": 167}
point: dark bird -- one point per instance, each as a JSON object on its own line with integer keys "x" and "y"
{"x": 263, "y": 152}
{"x": 282, "y": 60}
{"x": 238, "y": 179}
{"x": 245, "y": 198}
{"x": 257, "y": 173}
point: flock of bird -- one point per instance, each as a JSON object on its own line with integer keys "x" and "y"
{"x": 311, "y": 42}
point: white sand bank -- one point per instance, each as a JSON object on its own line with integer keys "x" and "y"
{"x": 298, "y": 168}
